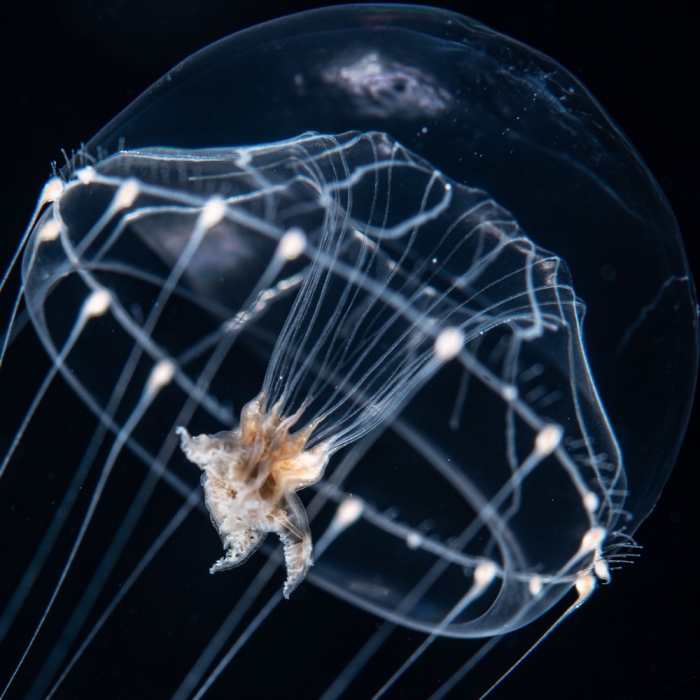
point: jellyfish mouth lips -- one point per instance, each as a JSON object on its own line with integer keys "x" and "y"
{"x": 250, "y": 480}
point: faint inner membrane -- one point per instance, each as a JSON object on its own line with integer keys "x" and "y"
{"x": 341, "y": 284}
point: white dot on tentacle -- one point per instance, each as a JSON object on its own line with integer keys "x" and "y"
{"x": 292, "y": 244}
{"x": 448, "y": 343}
{"x": 548, "y": 439}
{"x": 212, "y": 212}
{"x": 126, "y": 194}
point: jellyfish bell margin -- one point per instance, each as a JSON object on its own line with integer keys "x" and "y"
{"x": 373, "y": 321}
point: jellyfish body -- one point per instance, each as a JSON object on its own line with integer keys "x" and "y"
{"x": 373, "y": 338}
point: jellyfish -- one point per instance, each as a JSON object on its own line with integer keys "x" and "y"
{"x": 386, "y": 280}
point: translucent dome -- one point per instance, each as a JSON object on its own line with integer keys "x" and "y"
{"x": 433, "y": 271}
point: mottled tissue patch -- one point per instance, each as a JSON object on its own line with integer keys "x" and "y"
{"x": 251, "y": 476}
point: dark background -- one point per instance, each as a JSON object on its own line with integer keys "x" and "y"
{"x": 69, "y": 66}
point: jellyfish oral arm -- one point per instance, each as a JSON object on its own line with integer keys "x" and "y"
{"x": 250, "y": 480}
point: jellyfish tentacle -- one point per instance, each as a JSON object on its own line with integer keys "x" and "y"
{"x": 295, "y": 535}
{"x": 239, "y": 546}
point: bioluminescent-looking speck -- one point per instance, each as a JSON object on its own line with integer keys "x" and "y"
{"x": 386, "y": 280}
